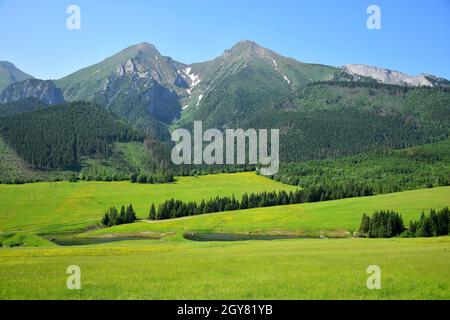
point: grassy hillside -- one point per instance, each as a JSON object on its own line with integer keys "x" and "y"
{"x": 332, "y": 218}
{"x": 13, "y": 168}
{"x": 282, "y": 269}
{"x": 67, "y": 205}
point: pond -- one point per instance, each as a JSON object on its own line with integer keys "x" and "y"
{"x": 239, "y": 237}
{"x": 73, "y": 241}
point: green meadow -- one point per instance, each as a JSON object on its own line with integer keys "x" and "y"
{"x": 332, "y": 218}
{"x": 282, "y": 269}
{"x": 63, "y": 205}
{"x": 171, "y": 267}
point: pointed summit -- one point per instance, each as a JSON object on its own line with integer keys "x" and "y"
{"x": 247, "y": 47}
{"x": 144, "y": 48}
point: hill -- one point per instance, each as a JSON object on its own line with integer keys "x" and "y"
{"x": 57, "y": 206}
{"x": 58, "y": 137}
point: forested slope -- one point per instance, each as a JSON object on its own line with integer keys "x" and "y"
{"x": 58, "y": 137}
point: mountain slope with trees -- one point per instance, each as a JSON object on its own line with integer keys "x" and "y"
{"x": 383, "y": 171}
{"x": 58, "y": 137}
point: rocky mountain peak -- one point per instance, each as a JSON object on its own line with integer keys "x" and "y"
{"x": 388, "y": 76}
{"x": 247, "y": 48}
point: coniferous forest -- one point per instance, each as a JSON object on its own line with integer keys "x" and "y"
{"x": 388, "y": 224}
{"x": 58, "y": 137}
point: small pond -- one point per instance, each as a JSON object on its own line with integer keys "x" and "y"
{"x": 72, "y": 241}
{"x": 239, "y": 237}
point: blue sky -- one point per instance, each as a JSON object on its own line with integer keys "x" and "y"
{"x": 414, "y": 38}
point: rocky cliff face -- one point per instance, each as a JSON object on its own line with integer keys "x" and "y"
{"x": 387, "y": 76}
{"x": 44, "y": 90}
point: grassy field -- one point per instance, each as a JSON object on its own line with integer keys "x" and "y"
{"x": 282, "y": 269}
{"x": 175, "y": 268}
{"x": 64, "y": 205}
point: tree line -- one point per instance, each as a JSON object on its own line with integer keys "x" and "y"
{"x": 388, "y": 224}
{"x": 172, "y": 208}
{"x": 157, "y": 178}
{"x": 434, "y": 224}
{"x": 112, "y": 216}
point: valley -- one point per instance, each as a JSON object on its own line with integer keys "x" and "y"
{"x": 354, "y": 140}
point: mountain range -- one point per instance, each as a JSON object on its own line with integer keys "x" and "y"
{"x": 322, "y": 111}
{"x": 141, "y": 85}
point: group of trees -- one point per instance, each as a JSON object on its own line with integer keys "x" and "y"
{"x": 434, "y": 224}
{"x": 156, "y": 178}
{"x": 382, "y": 224}
{"x": 171, "y": 209}
{"x": 387, "y": 224}
{"x": 113, "y": 218}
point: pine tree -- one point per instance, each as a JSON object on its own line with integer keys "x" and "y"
{"x": 365, "y": 224}
{"x": 152, "y": 215}
{"x": 424, "y": 229}
{"x": 105, "y": 220}
{"x": 122, "y": 216}
{"x": 130, "y": 215}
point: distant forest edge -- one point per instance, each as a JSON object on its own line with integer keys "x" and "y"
{"x": 390, "y": 138}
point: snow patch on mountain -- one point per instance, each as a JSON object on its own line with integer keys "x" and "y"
{"x": 275, "y": 65}
{"x": 287, "y": 80}
{"x": 195, "y": 79}
{"x": 200, "y": 97}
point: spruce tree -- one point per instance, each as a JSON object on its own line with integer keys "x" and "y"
{"x": 152, "y": 215}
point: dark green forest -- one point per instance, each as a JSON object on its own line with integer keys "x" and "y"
{"x": 388, "y": 224}
{"x": 21, "y": 106}
{"x": 384, "y": 171}
{"x": 58, "y": 137}
{"x": 336, "y": 119}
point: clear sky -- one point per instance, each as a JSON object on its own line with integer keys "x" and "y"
{"x": 415, "y": 35}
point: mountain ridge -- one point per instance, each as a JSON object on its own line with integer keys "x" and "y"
{"x": 389, "y": 76}
{"x": 152, "y": 91}
{"x": 9, "y": 74}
